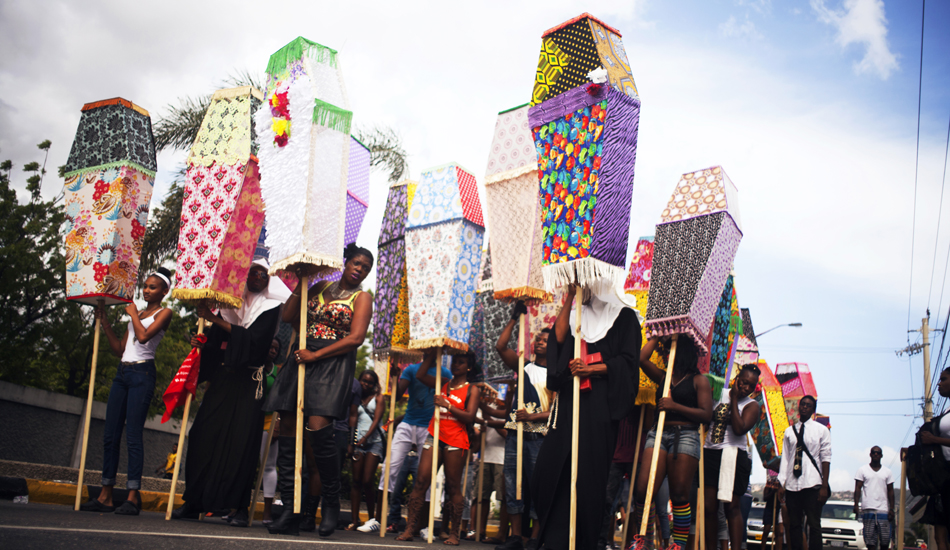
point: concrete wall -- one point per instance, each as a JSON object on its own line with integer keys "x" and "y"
{"x": 46, "y": 428}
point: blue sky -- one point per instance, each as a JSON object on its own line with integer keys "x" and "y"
{"x": 810, "y": 106}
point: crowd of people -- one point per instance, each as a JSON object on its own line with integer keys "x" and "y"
{"x": 248, "y": 412}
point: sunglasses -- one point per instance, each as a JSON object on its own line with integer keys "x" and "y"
{"x": 257, "y": 274}
{"x": 877, "y": 453}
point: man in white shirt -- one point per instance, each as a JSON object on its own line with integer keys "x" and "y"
{"x": 874, "y": 500}
{"x": 803, "y": 475}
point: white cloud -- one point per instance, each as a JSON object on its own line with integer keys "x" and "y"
{"x": 841, "y": 480}
{"x": 862, "y": 22}
{"x": 731, "y": 28}
{"x": 863, "y": 456}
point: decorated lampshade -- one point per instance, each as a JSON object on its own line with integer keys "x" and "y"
{"x": 585, "y": 135}
{"x": 638, "y": 286}
{"x": 444, "y": 235}
{"x": 571, "y": 50}
{"x": 727, "y": 326}
{"x": 222, "y": 212}
{"x": 696, "y": 242}
{"x": 304, "y": 133}
{"x": 357, "y": 198}
{"x": 489, "y": 321}
{"x": 109, "y": 177}
{"x": 796, "y": 382}
{"x": 512, "y": 209}
{"x": 391, "y": 311}
{"x": 768, "y": 432}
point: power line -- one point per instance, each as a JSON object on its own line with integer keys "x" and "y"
{"x": 943, "y": 183}
{"x": 913, "y": 227}
{"x": 869, "y": 401}
{"x": 834, "y": 349}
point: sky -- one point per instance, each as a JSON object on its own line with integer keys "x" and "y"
{"x": 809, "y": 105}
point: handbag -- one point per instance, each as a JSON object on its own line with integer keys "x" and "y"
{"x": 927, "y": 470}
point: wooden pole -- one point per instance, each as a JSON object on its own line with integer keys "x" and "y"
{"x": 701, "y": 496}
{"x": 520, "y": 404}
{"x": 181, "y": 443}
{"x": 901, "y": 520}
{"x": 633, "y": 478}
{"x": 260, "y": 471}
{"x": 88, "y": 414}
{"x": 481, "y": 481}
{"x": 774, "y": 517}
{"x": 468, "y": 460}
{"x": 575, "y": 417}
{"x": 660, "y": 422}
{"x": 389, "y": 450}
{"x": 433, "y": 497}
{"x": 301, "y": 375}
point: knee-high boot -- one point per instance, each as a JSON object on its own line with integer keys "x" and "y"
{"x": 288, "y": 523}
{"x": 328, "y": 464}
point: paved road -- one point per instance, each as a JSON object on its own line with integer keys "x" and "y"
{"x": 49, "y": 526}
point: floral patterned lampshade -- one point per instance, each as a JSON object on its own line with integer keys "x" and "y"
{"x": 222, "y": 213}
{"x": 638, "y": 286}
{"x": 304, "y": 133}
{"x": 773, "y": 420}
{"x": 109, "y": 177}
{"x": 443, "y": 253}
{"x": 695, "y": 245}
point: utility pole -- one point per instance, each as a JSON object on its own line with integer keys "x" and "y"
{"x": 925, "y": 331}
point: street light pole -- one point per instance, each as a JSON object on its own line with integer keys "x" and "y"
{"x": 796, "y": 325}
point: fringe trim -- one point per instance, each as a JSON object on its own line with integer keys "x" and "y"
{"x": 527, "y": 293}
{"x": 646, "y": 396}
{"x": 588, "y": 272}
{"x": 228, "y": 93}
{"x": 717, "y": 383}
{"x": 511, "y": 174}
{"x": 453, "y": 347}
{"x": 677, "y": 325}
{"x": 197, "y": 294}
{"x": 115, "y": 101}
{"x": 307, "y": 263}
{"x": 295, "y": 50}
{"x": 116, "y": 164}
{"x": 398, "y": 353}
{"x": 332, "y": 117}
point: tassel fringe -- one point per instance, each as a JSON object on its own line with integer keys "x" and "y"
{"x": 717, "y": 383}
{"x": 588, "y": 272}
{"x": 526, "y": 293}
{"x": 399, "y": 354}
{"x": 220, "y": 299}
{"x": 116, "y": 164}
{"x": 307, "y": 263}
{"x": 677, "y": 325}
{"x": 332, "y": 117}
{"x": 646, "y": 396}
{"x": 295, "y": 50}
{"x": 453, "y": 347}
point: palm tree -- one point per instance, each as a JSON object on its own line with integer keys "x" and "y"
{"x": 177, "y": 131}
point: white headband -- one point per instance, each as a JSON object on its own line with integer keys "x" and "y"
{"x": 162, "y": 277}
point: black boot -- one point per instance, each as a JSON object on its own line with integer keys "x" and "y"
{"x": 328, "y": 464}
{"x": 309, "y": 520}
{"x": 186, "y": 511}
{"x": 288, "y": 522}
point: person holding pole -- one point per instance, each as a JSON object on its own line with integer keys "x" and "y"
{"x": 131, "y": 392}
{"x": 688, "y": 405}
{"x": 223, "y": 444}
{"x": 532, "y": 414}
{"x": 726, "y": 462}
{"x": 611, "y": 333}
{"x": 338, "y": 315}
{"x": 457, "y": 408}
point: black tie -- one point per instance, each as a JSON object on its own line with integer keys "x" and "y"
{"x": 799, "y": 447}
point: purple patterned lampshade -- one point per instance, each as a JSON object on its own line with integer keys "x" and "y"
{"x": 357, "y": 198}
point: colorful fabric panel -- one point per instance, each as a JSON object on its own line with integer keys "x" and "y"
{"x": 445, "y": 193}
{"x": 390, "y": 264}
{"x": 747, "y": 329}
{"x": 112, "y": 133}
{"x": 769, "y": 430}
{"x": 614, "y": 58}
{"x": 513, "y": 213}
{"x": 106, "y": 215}
{"x": 722, "y": 328}
{"x": 226, "y": 135}
{"x": 703, "y": 192}
{"x": 512, "y": 146}
{"x": 495, "y": 315}
{"x": 641, "y": 267}
{"x": 397, "y": 209}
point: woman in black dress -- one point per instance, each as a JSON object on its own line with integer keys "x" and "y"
{"x": 338, "y": 315}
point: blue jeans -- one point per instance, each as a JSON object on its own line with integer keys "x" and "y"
{"x": 129, "y": 399}
{"x": 530, "y": 450}
{"x": 409, "y": 466}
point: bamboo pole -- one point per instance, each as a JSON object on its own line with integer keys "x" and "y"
{"x": 901, "y": 520}
{"x": 701, "y": 496}
{"x": 660, "y": 422}
{"x": 389, "y": 450}
{"x": 301, "y": 375}
{"x": 468, "y": 460}
{"x": 633, "y": 478}
{"x": 88, "y": 414}
{"x": 774, "y": 517}
{"x": 260, "y": 471}
{"x": 481, "y": 481}
{"x": 575, "y": 417}
{"x": 520, "y": 441}
{"x": 181, "y": 443}
{"x": 433, "y": 496}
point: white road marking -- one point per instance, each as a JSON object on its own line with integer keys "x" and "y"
{"x": 188, "y": 535}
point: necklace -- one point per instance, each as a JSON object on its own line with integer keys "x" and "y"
{"x": 338, "y": 293}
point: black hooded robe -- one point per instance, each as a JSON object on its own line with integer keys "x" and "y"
{"x": 609, "y": 400}
{"x": 224, "y": 442}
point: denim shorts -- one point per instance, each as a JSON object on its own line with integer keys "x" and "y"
{"x": 443, "y": 446}
{"x": 372, "y": 447}
{"x": 677, "y": 440}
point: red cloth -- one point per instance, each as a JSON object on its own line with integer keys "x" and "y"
{"x": 185, "y": 380}
{"x": 451, "y": 432}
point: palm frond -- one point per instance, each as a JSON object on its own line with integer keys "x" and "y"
{"x": 178, "y": 129}
{"x": 385, "y": 150}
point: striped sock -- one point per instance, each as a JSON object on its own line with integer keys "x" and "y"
{"x": 651, "y": 524}
{"x": 637, "y": 515}
{"x": 681, "y": 518}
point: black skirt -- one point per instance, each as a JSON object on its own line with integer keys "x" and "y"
{"x": 328, "y": 384}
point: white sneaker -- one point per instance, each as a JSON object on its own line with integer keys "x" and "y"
{"x": 424, "y": 532}
{"x": 371, "y": 526}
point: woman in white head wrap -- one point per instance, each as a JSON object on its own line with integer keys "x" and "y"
{"x": 224, "y": 441}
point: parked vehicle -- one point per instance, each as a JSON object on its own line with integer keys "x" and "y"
{"x": 840, "y": 528}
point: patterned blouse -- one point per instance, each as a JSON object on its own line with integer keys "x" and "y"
{"x": 330, "y": 320}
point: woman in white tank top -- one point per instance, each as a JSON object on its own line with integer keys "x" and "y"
{"x": 131, "y": 392}
{"x": 726, "y": 460}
